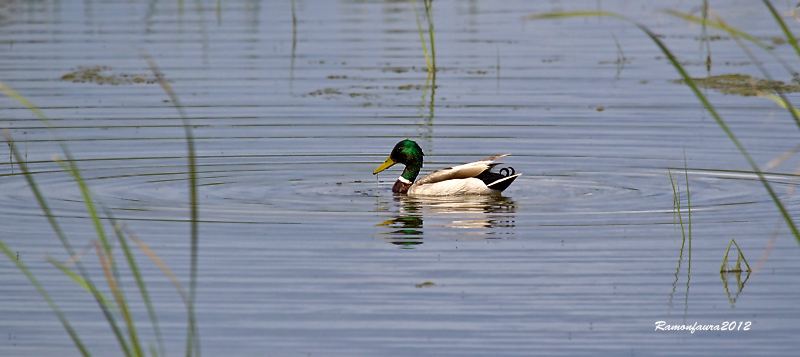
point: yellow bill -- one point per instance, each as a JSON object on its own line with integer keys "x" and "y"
{"x": 385, "y": 165}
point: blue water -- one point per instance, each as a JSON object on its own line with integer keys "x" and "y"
{"x": 304, "y": 252}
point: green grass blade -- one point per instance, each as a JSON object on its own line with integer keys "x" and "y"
{"x": 724, "y": 267}
{"x": 105, "y": 263}
{"x": 788, "y": 33}
{"x": 73, "y": 170}
{"x": 688, "y": 198}
{"x": 718, "y": 25}
{"x": 139, "y": 282}
{"x": 736, "y": 35}
{"x": 106, "y": 307}
{"x": 429, "y": 13}
{"x": 422, "y": 37}
{"x": 781, "y": 102}
{"x": 64, "y": 322}
{"x": 51, "y": 217}
{"x": 39, "y": 196}
{"x": 677, "y": 204}
{"x": 724, "y": 126}
{"x": 24, "y": 101}
{"x": 192, "y": 340}
{"x": 160, "y": 263}
{"x": 699, "y": 94}
{"x": 80, "y": 281}
{"x": 741, "y": 255}
{"x": 73, "y": 167}
{"x": 704, "y": 37}
{"x": 569, "y": 14}
{"x": 153, "y": 351}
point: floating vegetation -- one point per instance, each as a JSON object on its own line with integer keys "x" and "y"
{"x": 325, "y": 92}
{"x": 365, "y": 91}
{"x": 426, "y": 284}
{"x": 741, "y": 84}
{"x": 106, "y": 75}
{"x": 397, "y": 69}
{"x": 413, "y": 87}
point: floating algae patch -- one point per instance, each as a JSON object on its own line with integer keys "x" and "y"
{"x": 741, "y": 84}
{"x": 106, "y": 75}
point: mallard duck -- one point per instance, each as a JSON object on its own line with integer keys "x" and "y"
{"x": 474, "y": 178}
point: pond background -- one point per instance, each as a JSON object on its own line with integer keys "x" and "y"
{"x": 304, "y": 252}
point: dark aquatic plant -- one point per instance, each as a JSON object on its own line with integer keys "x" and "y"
{"x": 742, "y": 84}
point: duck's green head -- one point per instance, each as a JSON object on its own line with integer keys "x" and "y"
{"x": 407, "y": 153}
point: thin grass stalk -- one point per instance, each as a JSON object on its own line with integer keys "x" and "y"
{"x": 676, "y": 207}
{"x": 422, "y": 37}
{"x": 788, "y": 33}
{"x": 704, "y": 35}
{"x": 54, "y": 223}
{"x": 724, "y": 267}
{"x": 72, "y": 162}
{"x": 73, "y": 170}
{"x": 719, "y": 26}
{"x": 725, "y": 128}
{"x": 739, "y": 258}
{"x": 737, "y": 33}
{"x": 688, "y": 198}
{"x": 741, "y": 255}
{"x": 105, "y": 263}
{"x": 294, "y": 48}
{"x": 677, "y": 203}
{"x": 689, "y": 263}
{"x": 160, "y": 263}
{"x": 429, "y": 13}
{"x": 139, "y": 282}
{"x": 674, "y": 198}
{"x": 40, "y": 199}
{"x": 690, "y": 82}
{"x": 764, "y": 71}
{"x": 105, "y": 303}
{"x": 64, "y": 322}
{"x": 47, "y": 122}
{"x": 10, "y": 158}
{"x": 780, "y": 159}
{"x": 192, "y": 339}
{"x": 620, "y": 54}
{"x": 79, "y": 280}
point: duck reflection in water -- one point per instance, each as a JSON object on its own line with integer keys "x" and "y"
{"x": 475, "y": 217}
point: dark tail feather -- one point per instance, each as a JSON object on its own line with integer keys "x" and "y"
{"x": 503, "y": 183}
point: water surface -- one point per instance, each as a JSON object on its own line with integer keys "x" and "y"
{"x": 304, "y": 251}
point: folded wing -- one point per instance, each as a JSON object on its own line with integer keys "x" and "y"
{"x": 469, "y": 170}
